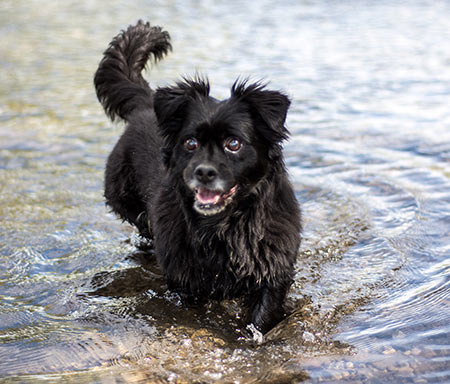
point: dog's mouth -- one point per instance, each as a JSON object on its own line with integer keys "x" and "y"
{"x": 210, "y": 202}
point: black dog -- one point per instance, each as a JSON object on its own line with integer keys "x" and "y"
{"x": 205, "y": 179}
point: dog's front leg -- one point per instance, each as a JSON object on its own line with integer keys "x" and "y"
{"x": 267, "y": 308}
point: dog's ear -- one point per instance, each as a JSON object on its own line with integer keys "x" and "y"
{"x": 268, "y": 107}
{"x": 171, "y": 103}
{"x": 171, "y": 106}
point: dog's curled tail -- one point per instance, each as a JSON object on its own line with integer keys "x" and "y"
{"x": 118, "y": 81}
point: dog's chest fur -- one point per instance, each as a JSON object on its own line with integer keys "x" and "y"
{"x": 217, "y": 257}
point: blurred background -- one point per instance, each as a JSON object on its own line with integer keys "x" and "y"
{"x": 369, "y": 156}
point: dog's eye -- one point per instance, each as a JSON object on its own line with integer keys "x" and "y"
{"x": 233, "y": 145}
{"x": 191, "y": 144}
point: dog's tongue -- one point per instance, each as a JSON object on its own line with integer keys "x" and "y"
{"x": 206, "y": 196}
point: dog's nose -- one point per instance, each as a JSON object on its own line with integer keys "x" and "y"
{"x": 205, "y": 173}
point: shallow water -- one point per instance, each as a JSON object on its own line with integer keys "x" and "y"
{"x": 369, "y": 156}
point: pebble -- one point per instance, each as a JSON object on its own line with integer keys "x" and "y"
{"x": 415, "y": 351}
{"x": 389, "y": 351}
{"x": 308, "y": 337}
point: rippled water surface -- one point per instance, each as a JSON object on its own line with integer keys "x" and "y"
{"x": 369, "y": 156}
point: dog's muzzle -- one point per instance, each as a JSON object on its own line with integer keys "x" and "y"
{"x": 210, "y": 194}
{"x": 210, "y": 202}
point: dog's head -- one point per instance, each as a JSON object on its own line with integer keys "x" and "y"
{"x": 220, "y": 149}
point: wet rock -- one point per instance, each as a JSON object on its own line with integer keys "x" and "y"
{"x": 404, "y": 371}
{"x": 428, "y": 353}
{"x": 205, "y": 339}
{"x": 282, "y": 375}
{"x": 382, "y": 365}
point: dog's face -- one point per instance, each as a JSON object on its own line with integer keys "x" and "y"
{"x": 220, "y": 149}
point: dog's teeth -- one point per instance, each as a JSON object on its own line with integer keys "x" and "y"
{"x": 210, "y": 202}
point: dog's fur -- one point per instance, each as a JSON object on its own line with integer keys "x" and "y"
{"x": 204, "y": 179}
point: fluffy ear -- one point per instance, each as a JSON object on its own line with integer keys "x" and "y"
{"x": 171, "y": 106}
{"x": 269, "y": 107}
{"x": 171, "y": 103}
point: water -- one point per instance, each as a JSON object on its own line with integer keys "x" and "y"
{"x": 369, "y": 157}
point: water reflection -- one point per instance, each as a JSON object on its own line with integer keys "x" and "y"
{"x": 369, "y": 157}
